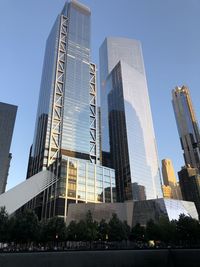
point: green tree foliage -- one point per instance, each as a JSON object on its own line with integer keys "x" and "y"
{"x": 137, "y": 233}
{"x": 167, "y": 229}
{"x": 81, "y": 231}
{"x": 10, "y": 231}
{"x": 25, "y": 227}
{"x": 127, "y": 230}
{"x": 103, "y": 230}
{"x": 3, "y": 224}
{"x": 53, "y": 229}
{"x": 188, "y": 229}
{"x": 87, "y": 229}
{"x": 153, "y": 231}
{"x": 185, "y": 230}
{"x": 118, "y": 230}
{"x": 72, "y": 231}
{"x": 84, "y": 230}
{"x": 91, "y": 227}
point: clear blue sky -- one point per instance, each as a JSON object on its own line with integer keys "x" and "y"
{"x": 170, "y": 36}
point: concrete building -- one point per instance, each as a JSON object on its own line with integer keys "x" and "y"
{"x": 131, "y": 211}
{"x": 168, "y": 172}
{"x": 167, "y": 191}
{"x": 171, "y": 188}
{"x": 134, "y": 211}
{"x": 7, "y": 122}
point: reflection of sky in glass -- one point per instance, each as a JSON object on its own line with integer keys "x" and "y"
{"x": 175, "y": 208}
{"x": 46, "y": 91}
{"x": 187, "y": 125}
{"x": 86, "y": 181}
{"x": 128, "y": 95}
{"x": 154, "y": 209}
{"x": 76, "y": 104}
{"x": 183, "y": 114}
{"x": 76, "y": 125}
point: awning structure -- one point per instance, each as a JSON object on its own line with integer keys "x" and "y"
{"x": 19, "y": 195}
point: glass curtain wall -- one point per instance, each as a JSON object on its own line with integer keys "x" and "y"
{"x": 128, "y": 139}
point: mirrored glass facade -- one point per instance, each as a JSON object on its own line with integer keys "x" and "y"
{"x": 154, "y": 209}
{"x": 79, "y": 182}
{"x": 67, "y": 138}
{"x": 128, "y": 139}
{"x": 39, "y": 151}
{"x": 187, "y": 126}
{"x": 67, "y": 116}
{"x": 76, "y": 124}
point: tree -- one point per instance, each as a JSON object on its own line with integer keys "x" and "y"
{"x": 43, "y": 231}
{"x": 26, "y": 226}
{"x": 167, "y": 229}
{"x": 188, "y": 229}
{"x": 152, "y": 231}
{"x": 54, "y": 229}
{"x": 103, "y": 230}
{"x": 81, "y": 231}
{"x": 72, "y": 231}
{"x": 3, "y": 224}
{"x": 137, "y": 233}
{"x": 127, "y": 230}
{"x": 91, "y": 227}
{"x": 117, "y": 229}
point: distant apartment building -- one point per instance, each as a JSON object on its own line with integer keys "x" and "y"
{"x": 187, "y": 126}
{"x": 7, "y": 122}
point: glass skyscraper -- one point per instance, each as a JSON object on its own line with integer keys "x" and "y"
{"x": 66, "y": 117}
{"x": 187, "y": 126}
{"x": 66, "y": 139}
{"x": 128, "y": 139}
{"x": 7, "y": 122}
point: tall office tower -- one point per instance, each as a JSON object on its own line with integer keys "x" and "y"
{"x": 187, "y": 126}
{"x": 66, "y": 133}
{"x": 7, "y": 122}
{"x": 128, "y": 139}
{"x": 66, "y": 116}
{"x": 189, "y": 180}
{"x": 168, "y": 172}
{"x": 170, "y": 188}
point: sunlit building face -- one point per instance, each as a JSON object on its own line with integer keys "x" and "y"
{"x": 67, "y": 109}
{"x": 66, "y": 139}
{"x": 187, "y": 125}
{"x": 128, "y": 139}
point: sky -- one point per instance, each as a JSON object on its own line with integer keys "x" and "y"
{"x": 170, "y": 37}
